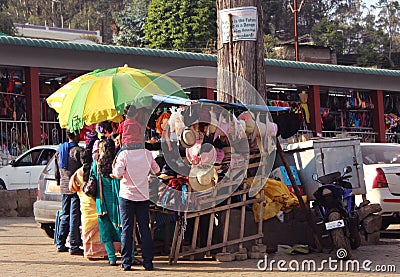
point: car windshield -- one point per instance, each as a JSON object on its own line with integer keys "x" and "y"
{"x": 380, "y": 154}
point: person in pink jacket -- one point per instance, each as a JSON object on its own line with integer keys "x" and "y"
{"x": 132, "y": 167}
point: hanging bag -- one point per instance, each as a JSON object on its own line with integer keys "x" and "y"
{"x": 90, "y": 188}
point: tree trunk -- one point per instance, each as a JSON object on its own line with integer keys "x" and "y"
{"x": 241, "y": 63}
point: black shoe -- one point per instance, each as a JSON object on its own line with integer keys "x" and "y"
{"x": 128, "y": 268}
{"x": 77, "y": 252}
{"x": 149, "y": 267}
{"x": 112, "y": 263}
{"x": 63, "y": 249}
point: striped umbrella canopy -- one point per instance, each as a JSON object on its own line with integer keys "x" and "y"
{"x": 103, "y": 94}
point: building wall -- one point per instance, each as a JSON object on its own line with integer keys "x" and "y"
{"x": 308, "y": 53}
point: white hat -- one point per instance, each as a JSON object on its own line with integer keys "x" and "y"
{"x": 188, "y": 138}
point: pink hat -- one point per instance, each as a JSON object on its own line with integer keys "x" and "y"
{"x": 213, "y": 155}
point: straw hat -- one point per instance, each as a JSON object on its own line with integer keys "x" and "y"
{"x": 203, "y": 177}
{"x": 188, "y": 138}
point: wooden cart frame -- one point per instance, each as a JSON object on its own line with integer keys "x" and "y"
{"x": 177, "y": 250}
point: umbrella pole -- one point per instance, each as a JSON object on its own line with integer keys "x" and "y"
{"x": 303, "y": 206}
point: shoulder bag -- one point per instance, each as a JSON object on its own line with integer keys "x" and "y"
{"x": 90, "y": 188}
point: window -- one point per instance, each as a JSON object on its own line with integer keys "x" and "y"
{"x": 45, "y": 156}
{"x": 30, "y": 158}
{"x": 380, "y": 154}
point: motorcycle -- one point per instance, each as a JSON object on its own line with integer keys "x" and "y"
{"x": 335, "y": 202}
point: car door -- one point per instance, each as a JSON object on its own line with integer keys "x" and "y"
{"x": 19, "y": 174}
{"x": 41, "y": 162}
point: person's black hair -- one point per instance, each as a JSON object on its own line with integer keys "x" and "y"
{"x": 131, "y": 111}
{"x": 71, "y": 135}
{"x": 126, "y": 109}
{"x": 106, "y": 160}
{"x": 87, "y": 162}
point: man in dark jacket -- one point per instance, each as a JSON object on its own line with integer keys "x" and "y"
{"x": 68, "y": 160}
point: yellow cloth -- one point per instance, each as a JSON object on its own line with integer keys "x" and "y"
{"x": 93, "y": 248}
{"x": 306, "y": 112}
{"x": 277, "y": 198}
{"x": 303, "y": 100}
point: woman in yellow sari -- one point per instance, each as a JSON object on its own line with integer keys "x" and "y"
{"x": 93, "y": 248}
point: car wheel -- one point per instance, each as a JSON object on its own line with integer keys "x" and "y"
{"x": 2, "y": 185}
{"x": 48, "y": 229}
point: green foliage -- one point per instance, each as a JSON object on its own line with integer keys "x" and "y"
{"x": 278, "y": 18}
{"x": 130, "y": 23}
{"x": 3, "y": 5}
{"x": 76, "y": 14}
{"x": 270, "y": 43}
{"x": 328, "y": 33}
{"x": 6, "y": 24}
{"x": 389, "y": 22}
{"x": 181, "y": 24}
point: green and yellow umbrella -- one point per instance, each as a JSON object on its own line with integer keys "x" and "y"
{"x": 103, "y": 94}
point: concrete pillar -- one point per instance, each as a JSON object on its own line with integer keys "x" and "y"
{"x": 314, "y": 105}
{"x": 33, "y": 104}
{"x": 378, "y": 117}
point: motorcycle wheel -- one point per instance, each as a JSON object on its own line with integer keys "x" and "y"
{"x": 339, "y": 239}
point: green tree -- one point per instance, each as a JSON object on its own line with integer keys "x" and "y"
{"x": 130, "y": 23}
{"x": 389, "y": 23}
{"x": 76, "y": 14}
{"x": 278, "y": 18}
{"x": 6, "y": 20}
{"x": 181, "y": 24}
{"x": 6, "y": 24}
{"x": 270, "y": 42}
{"x": 325, "y": 33}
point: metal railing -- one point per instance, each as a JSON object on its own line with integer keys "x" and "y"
{"x": 393, "y": 137}
{"x": 14, "y": 139}
{"x": 51, "y": 133}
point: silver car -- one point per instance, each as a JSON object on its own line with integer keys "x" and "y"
{"x": 49, "y": 199}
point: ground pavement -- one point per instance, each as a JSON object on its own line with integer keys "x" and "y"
{"x": 26, "y": 251}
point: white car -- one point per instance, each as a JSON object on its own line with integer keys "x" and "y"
{"x": 24, "y": 171}
{"x": 381, "y": 163}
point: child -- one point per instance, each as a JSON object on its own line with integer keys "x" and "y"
{"x": 132, "y": 130}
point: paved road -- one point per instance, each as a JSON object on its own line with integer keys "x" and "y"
{"x": 26, "y": 251}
